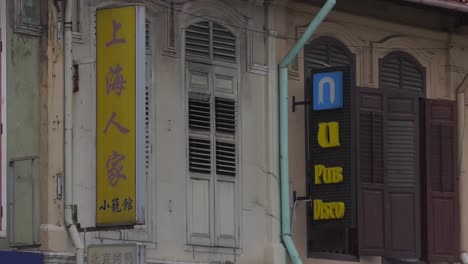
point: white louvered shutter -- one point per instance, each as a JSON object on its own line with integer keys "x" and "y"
{"x": 200, "y": 148}
{"x": 226, "y": 160}
{"x": 212, "y": 144}
{"x": 210, "y": 42}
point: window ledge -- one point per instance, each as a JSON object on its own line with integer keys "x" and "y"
{"x": 331, "y": 256}
{"x": 213, "y": 250}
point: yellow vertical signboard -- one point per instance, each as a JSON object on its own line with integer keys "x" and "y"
{"x": 120, "y": 47}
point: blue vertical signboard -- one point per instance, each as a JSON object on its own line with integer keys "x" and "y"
{"x": 18, "y": 257}
{"x": 328, "y": 90}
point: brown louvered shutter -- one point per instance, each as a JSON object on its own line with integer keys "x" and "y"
{"x": 402, "y": 181}
{"x": 326, "y": 53}
{"x": 401, "y": 71}
{"x": 371, "y": 195}
{"x": 442, "y": 181}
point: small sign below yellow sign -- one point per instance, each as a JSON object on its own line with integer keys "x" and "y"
{"x": 116, "y": 253}
{"x": 120, "y": 66}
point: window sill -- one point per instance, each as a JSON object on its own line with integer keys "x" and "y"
{"x": 213, "y": 250}
{"x": 331, "y": 256}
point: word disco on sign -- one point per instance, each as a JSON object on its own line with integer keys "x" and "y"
{"x": 328, "y": 137}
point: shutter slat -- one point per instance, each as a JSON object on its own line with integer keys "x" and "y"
{"x": 197, "y": 40}
{"x": 226, "y": 163}
{"x": 225, "y": 111}
{"x": 199, "y": 155}
{"x": 319, "y": 56}
{"x": 199, "y": 114}
{"x": 401, "y": 73}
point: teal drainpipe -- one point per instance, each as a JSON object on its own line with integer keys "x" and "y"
{"x": 284, "y": 160}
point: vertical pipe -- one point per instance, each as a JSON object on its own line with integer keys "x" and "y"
{"x": 11, "y": 203}
{"x": 284, "y": 126}
{"x": 68, "y": 86}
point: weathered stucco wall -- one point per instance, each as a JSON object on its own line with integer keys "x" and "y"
{"x": 165, "y": 232}
{"x": 23, "y": 56}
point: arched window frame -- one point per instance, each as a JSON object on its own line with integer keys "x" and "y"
{"x": 211, "y": 60}
{"x": 216, "y": 73}
{"x": 402, "y": 56}
{"x": 390, "y": 159}
{"x": 331, "y": 42}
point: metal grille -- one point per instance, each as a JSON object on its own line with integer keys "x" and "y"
{"x": 147, "y": 130}
{"x": 225, "y": 115}
{"x": 200, "y": 155}
{"x": 147, "y": 34}
{"x": 225, "y": 158}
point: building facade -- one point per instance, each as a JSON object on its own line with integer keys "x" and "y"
{"x": 395, "y": 161}
{"x": 23, "y": 52}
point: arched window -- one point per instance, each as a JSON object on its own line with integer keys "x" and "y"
{"x": 210, "y": 41}
{"x": 390, "y": 159}
{"x": 211, "y": 79}
{"x": 400, "y": 71}
{"x": 326, "y": 52}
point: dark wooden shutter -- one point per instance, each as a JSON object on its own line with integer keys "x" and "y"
{"x": 399, "y": 70}
{"x": 402, "y": 181}
{"x": 371, "y": 198}
{"x": 442, "y": 181}
{"x": 326, "y": 52}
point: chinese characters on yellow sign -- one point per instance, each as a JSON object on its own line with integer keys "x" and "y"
{"x": 119, "y": 114}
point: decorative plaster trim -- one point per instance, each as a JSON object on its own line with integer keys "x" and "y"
{"x": 24, "y": 28}
{"x": 170, "y": 24}
{"x": 219, "y": 12}
{"x": 84, "y": 13}
{"x": 213, "y": 9}
{"x": 59, "y": 258}
{"x": 428, "y": 59}
{"x": 252, "y": 66}
{"x": 340, "y": 32}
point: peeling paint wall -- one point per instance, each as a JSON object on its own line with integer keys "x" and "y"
{"x": 23, "y": 67}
